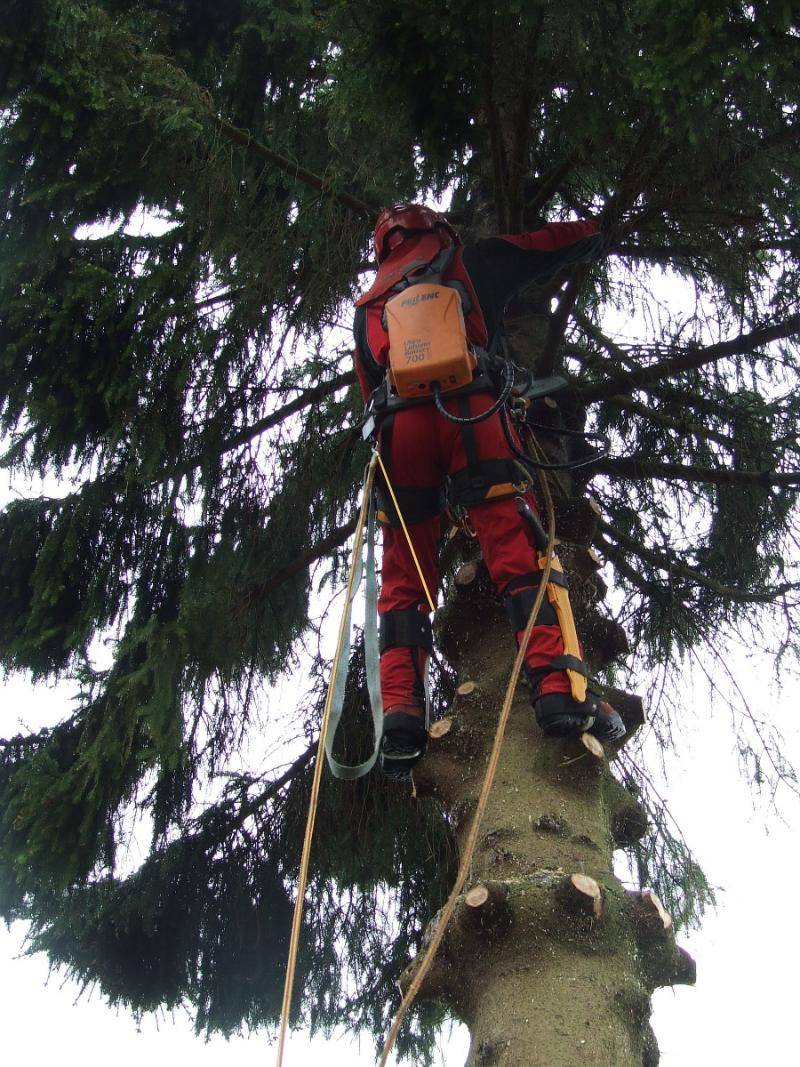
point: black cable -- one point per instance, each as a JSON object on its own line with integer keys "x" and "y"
{"x": 499, "y": 404}
{"x": 568, "y": 433}
{"x": 568, "y": 465}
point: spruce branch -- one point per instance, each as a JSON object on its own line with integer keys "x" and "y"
{"x": 686, "y": 429}
{"x": 713, "y": 407}
{"x": 549, "y": 183}
{"x": 275, "y": 418}
{"x": 246, "y": 140}
{"x": 322, "y": 548}
{"x": 614, "y": 542}
{"x": 638, "y": 169}
{"x": 651, "y": 414}
{"x": 676, "y": 250}
{"x": 545, "y": 363}
{"x": 611, "y": 347}
{"x": 218, "y": 815}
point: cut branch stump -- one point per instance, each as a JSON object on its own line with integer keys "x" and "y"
{"x": 582, "y": 894}
{"x": 486, "y": 905}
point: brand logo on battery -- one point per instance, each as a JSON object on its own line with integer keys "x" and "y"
{"x": 410, "y": 301}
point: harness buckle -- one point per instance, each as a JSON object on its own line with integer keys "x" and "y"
{"x": 368, "y": 427}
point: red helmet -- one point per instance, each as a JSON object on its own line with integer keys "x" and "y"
{"x": 408, "y": 219}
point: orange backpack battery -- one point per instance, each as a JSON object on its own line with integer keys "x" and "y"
{"x": 427, "y": 341}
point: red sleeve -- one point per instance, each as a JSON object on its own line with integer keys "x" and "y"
{"x": 554, "y": 236}
{"x": 371, "y": 348}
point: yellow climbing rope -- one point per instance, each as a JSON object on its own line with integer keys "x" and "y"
{"x": 469, "y": 848}
{"x": 385, "y": 473}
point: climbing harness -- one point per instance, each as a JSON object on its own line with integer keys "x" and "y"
{"x": 429, "y": 355}
{"x": 407, "y": 743}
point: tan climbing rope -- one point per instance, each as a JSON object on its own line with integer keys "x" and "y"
{"x": 469, "y": 848}
{"x": 431, "y": 604}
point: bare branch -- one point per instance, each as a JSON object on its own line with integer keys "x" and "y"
{"x": 692, "y": 359}
{"x": 638, "y": 468}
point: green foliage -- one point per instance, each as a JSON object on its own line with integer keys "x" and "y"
{"x": 170, "y": 304}
{"x": 191, "y": 924}
{"x": 205, "y": 920}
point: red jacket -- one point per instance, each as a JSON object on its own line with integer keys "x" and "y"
{"x": 492, "y": 271}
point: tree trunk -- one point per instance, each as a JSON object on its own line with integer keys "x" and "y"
{"x": 549, "y": 960}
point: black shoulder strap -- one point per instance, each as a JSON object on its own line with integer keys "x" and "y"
{"x": 429, "y": 273}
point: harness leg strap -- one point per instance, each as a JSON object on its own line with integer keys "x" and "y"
{"x": 486, "y": 480}
{"x": 416, "y": 504}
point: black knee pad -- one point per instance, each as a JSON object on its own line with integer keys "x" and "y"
{"x": 404, "y": 628}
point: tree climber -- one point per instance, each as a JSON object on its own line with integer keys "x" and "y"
{"x": 422, "y": 449}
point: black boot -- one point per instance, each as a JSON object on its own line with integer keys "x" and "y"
{"x": 403, "y": 743}
{"x": 559, "y": 715}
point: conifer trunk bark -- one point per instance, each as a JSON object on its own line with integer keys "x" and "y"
{"x": 544, "y": 973}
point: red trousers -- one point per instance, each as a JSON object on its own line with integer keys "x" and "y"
{"x": 423, "y": 448}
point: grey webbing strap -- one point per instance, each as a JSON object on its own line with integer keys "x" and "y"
{"x": 371, "y": 639}
{"x": 371, "y": 657}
